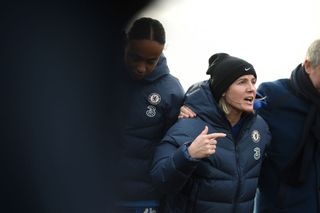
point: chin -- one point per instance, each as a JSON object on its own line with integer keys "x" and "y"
{"x": 248, "y": 110}
{"x": 138, "y": 77}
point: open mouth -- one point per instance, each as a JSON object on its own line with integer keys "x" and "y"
{"x": 249, "y": 99}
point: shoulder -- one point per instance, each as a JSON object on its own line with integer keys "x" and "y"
{"x": 261, "y": 121}
{"x": 201, "y": 85}
{"x": 170, "y": 86}
{"x": 200, "y": 89}
{"x": 274, "y": 86}
{"x": 275, "y": 90}
{"x": 172, "y": 80}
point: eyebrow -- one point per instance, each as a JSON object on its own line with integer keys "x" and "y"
{"x": 246, "y": 79}
{"x": 141, "y": 57}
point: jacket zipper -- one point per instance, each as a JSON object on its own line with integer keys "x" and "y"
{"x": 236, "y": 140}
{"x": 238, "y": 172}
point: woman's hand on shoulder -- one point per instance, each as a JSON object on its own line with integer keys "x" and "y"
{"x": 186, "y": 112}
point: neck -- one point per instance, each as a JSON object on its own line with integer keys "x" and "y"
{"x": 233, "y": 117}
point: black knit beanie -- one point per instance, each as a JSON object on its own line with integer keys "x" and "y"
{"x": 224, "y": 70}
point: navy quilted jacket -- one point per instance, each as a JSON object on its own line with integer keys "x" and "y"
{"x": 286, "y": 114}
{"x": 152, "y": 107}
{"x": 224, "y": 182}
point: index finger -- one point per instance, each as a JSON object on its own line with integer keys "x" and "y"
{"x": 216, "y": 135}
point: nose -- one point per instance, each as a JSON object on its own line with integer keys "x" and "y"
{"x": 141, "y": 67}
{"x": 251, "y": 87}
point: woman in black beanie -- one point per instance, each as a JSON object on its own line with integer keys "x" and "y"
{"x": 211, "y": 163}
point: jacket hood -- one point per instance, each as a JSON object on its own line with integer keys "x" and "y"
{"x": 200, "y": 99}
{"x": 160, "y": 70}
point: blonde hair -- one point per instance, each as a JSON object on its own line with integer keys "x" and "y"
{"x": 223, "y": 106}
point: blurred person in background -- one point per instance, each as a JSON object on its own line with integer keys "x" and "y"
{"x": 59, "y": 69}
{"x": 290, "y": 175}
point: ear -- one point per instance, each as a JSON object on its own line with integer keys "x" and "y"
{"x": 307, "y": 66}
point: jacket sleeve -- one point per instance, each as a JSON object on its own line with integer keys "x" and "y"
{"x": 172, "y": 167}
{"x": 173, "y": 106}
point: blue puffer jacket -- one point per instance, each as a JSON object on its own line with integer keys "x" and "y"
{"x": 226, "y": 181}
{"x": 286, "y": 114}
{"x": 152, "y": 107}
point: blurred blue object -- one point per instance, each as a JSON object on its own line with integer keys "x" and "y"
{"x": 259, "y": 102}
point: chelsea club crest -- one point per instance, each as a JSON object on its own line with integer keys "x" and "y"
{"x": 154, "y": 98}
{"x": 255, "y": 136}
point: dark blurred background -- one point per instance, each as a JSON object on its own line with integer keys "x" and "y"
{"x": 61, "y": 103}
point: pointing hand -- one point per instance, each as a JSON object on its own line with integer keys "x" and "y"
{"x": 205, "y": 144}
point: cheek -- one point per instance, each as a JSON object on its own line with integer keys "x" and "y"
{"x": 150, "y": 68}
{"x": 234, "y": 96}
{"x": 316, "y": 81}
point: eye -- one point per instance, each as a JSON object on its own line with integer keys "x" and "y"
{"x": 254, "y": 81}
{"x": 134, "y": 57}
{"x": 151, "y": 62}
{"x": 241, "y": 81}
